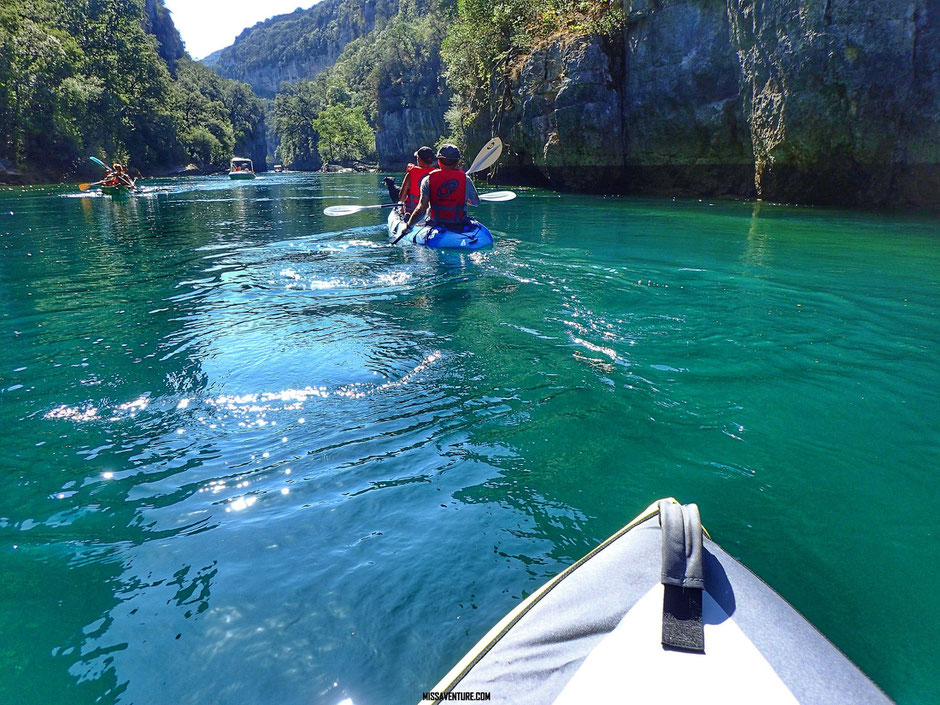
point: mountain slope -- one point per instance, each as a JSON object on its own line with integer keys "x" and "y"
{"x": 298, "y": 45}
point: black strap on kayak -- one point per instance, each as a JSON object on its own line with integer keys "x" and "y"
{"x": 683, "y": 577}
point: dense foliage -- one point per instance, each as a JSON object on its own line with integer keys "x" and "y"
{"x": 295, "y": 109}
{"x": 301, "y": 44}
{"x": 487, "y": 37}
{"x": 83, "y": 77}
{"x": 344, "y": 134}
{"x": 396, "y": 66}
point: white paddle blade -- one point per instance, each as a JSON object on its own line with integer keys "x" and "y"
{"x": 498, "y": 196}
{"x": 342, "y": 210}
{"x": 349, "y": 210}
{"x": 487, "y": 156}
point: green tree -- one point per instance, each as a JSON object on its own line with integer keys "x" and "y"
{"x": 295, "y": 109}
{"x": 345, "y": 134}
{"x": 80, "y": 77}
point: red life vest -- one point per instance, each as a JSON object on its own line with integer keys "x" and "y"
{"x": 414, "y": 185}
{"x": 448, "y": 196}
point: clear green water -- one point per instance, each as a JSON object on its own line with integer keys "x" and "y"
{"x": 255, "y": 455}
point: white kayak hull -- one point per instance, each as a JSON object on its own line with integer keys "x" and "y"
{"x": 607, "y": 630}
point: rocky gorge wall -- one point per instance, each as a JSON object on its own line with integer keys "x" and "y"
{"x": 808, "y": 101}
{"x": 289, "y": 48}
{"x": 403, "y": 130}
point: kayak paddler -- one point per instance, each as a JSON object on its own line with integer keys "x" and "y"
{"x": 409, "y": 194}
{"x": 446, "y": 191}
{"x": 118, "y": 176}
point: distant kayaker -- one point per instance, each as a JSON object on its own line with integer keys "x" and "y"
{"x": 409, "y": 194}
{"x": 446, "y": 191}
{"x": 119, "y": 177}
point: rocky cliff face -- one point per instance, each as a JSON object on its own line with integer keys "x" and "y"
{"x": 840, "y": 98}
{"x": 684, "y": 118}
{"x": 297, "y": 46}
{"x": 254, "y": 145}
{"x": 160, "y": 24}
{"x": 411, "y": 102}
{"x": 565, "y": 111}
{"x": 814, "y": 101}
{"x": 403, "y": 130}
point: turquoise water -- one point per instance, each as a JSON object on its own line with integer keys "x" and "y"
{"x": 253, "y": 455}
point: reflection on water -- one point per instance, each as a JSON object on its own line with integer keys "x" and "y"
{"x": 262, "y": 455}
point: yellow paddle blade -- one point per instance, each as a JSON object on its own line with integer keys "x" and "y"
{"x": 84, "y": 187}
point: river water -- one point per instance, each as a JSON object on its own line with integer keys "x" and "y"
{"x": 252, "y": 454}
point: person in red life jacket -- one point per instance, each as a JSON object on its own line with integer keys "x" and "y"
{"x": 446, "y": 192}
{"x": 118, "y": 176}
{"x": 409, "y": 194}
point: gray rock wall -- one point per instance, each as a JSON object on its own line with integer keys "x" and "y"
{"x": 683, "y": 114}
{"x": 564, "y": 112}
{"x": 810, "y": 101}
{"x": 840, "y": 98}
{"x": 402, "y": 130}
{"x": 255, "y": 147}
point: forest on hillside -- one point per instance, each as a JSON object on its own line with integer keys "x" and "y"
{"x": 111, "y": 79}
{"x": 430, "y": 52}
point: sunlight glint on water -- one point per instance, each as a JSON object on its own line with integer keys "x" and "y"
{"x": 258, "y": 455}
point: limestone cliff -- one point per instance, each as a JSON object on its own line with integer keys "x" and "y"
{"x": 683, "y": 115}
{"x": 565, "y": 111}
{"x": 812, "y": 101}
{"x": 403, "y": 130}
{"x": 412, "y": 97}
{"x": 297, "y": 46}
{"x": 159, "y": 23}
{"x": 841, "y": 98}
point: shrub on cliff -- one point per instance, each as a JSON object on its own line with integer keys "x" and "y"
{"x": 488, "y": 36}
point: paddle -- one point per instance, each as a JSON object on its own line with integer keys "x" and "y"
{"x": 494, "y": 196}
{"x": 487, "y": 156}
{"x": 126, "y": 181}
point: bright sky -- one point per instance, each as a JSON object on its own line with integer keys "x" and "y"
{"x": 207, "y": 25}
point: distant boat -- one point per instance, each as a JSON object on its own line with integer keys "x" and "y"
{"x": 241, "y": 169}
{"x": 278, "y": 168}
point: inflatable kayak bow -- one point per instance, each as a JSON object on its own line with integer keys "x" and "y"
{"x": 658, "y": 613}
{"x": 473, "y": 236}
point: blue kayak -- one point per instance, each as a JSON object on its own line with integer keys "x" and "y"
{"x": 473, "y": 236}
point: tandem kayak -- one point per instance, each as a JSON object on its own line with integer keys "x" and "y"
{"x": 656, "y": 613}
{"x": 473, "y": 236}
{"x": 116, "y": 190}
